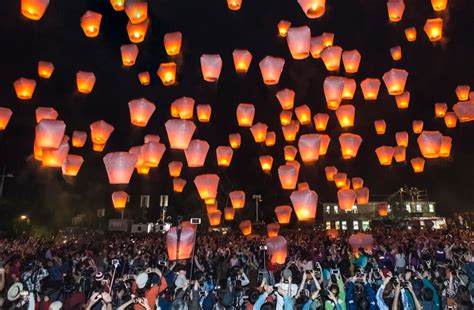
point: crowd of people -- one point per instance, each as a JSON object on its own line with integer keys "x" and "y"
{"x": 404, "y": 269}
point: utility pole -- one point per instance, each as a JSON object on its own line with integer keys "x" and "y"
{"x": 2, "y": 181}
{"x": 258, "y": 199}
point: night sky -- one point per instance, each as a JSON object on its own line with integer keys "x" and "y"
{"x": 435, "y": 69}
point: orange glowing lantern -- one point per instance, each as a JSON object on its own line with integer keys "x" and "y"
{"x": 144, "y": 78}
{"x": 313, "y": 8}
{"x": 167, "y": 73}
{"x": 246, "y": 227}
{"x": 328, "y": 38}
{"x": 180, "y": 241}
{"x": 309, "y": 146}
{"x": 180, "y": 133}
{"x": 45, "y": 113}
{"x": 277, "y": 249}
{"x": 237, "y": 198}
{"x": 71, "y": 165}
{"x": 429, "y": 143}
{"x": 273, "y": 229}
{"x": 305, "y": 203}
{"x": 345, "y": 115}
{"x": 321, "y": 121}
{"x": 439, "y": 5}
{"x": 37, "y": 152}
{"x": 285, "y": 117}
{"x": 152, "y": 153}
{"x": 206, "y": 185}
{"x": 234, "y": 5}
{"x": 417, "y": 126}
{"x": 24, "y": 88}
{"x": 290, "y": 131}
{"x": 357, "y": 183}
{"x": 129, "y": 54}
{"x": 370, "y": 88}
{"x": 229, "y": 214}
{"x": 340, "y": 179}
{"x": 331, "y": 172}
{"x": 351, "y": 60}
{"x": 395, "y": 81}
{"x": 324, "y": 145}
{"x": 298, "y": 39}
{"x": 85, "y": 81}
{"x": 399, "y": 153}
{"x": 396, "y": 52}
{"x": 434, "y": 29}
{"x": 245, "y": 114}
{"x": 464, "y": 111}
{"x": 271, "y": 69}
{"x": 172, "y": 42}
{"x": 283, "y": 27}
{"x": 203, "y": 112}
{"x": 211, "y": 65}
{"x": 119, "y": 200}
{"x": 418, "y": 164}
{"x": 350, "y": 144}
{"x": 141, "y": 111}
{"x": 196, "y": 153}
{"x": 175, "y": 168}
{"x": 286, "y": 97}
{"x": 34, "y": 9}
{"x": 178, "y": 185}
{"x": 151, "y": 138}
{"x": 382, "y": 209}
{"x": 215, "y": 218}
{"x": 290, "y": 152}
{"x": 283, "y": 214}
{"x": 331, "y": 57}
{"x": 184, "y": 107}
{"x": 211, "y": 207}
{"x": 403, "y": 100}
{"x": 141, "y": 167}
{"x": 137, "y": 32}
{"x": 270, "y": 138}
{"x": 317, "y": 46}
{"x": 346, "y": 199}
{"x": 5, "y": 115}
{"x": 234, "y": 140}
{"x": 350, "y": 86}
{"x": 55, "y": 157}
{"x": 136, "y": 10}
{"x": 440, "y": 109}
{"x": 259, "y": 132}
{"x": 79, "y": 138}
{"x": 100, "y": 132}
{"x": 49, "y": 133}
{"x": 402, "y": 138}
{"x": 119, "y": 166}
{"x": 410, "y": 34}
{"x": 450, "y": 120}
{"x": 288, "y": 175}
{"x": 303, "y": 114}
{"x": 333, "y": 87}
{"x": 118, "y": 5}
{"x": 446, "y": 145}
{"x": 266, "y": 162}
{"x": 385, "y": 155}
{"x": 395, "y": 9}
{"x": 45, "y": 69}
{"x": 90, "y": 23}
{"x": 362, "y": 195}
{"x": 462, "y": 92}
{"x": 242, "y": 59}
{"x": 380, "y": 126}
{"x": 303, "y": 186}
{"x": 224, "y": 155}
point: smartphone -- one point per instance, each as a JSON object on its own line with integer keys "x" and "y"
{"x": 335, "y": 271}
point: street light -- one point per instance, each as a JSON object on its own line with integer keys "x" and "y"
{"x": 258, "y": 199}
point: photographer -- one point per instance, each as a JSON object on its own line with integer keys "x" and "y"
{"x": 148, "y": 285}
{"x": 32, "y": 276}
{"x": 360, "y": 295}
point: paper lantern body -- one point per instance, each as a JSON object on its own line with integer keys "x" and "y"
{"x": 49, "y": 133}
{"x": 283, "y": 214}
{"x": 137, "y": 32}
{"x": 357, "y": 183}
{"x": 450, "y": 119}
{"x": 203, "y": 112}
{"x": 119, "y": 200}
{"x": 245, "y": 114}
{"x": 270, "y": 138}
{"x": 439, "y": 5}
{"x": 313, "y": 8}
{"x": 215, "y": 218}
{"x": 331, "y": 57}
{"x": 234, "y": 5}
{"x": 24, "y": 88}
{"x": 152, "y": 153}
{"x": 351, "y": 60}
{"x": 298, "y": 39}
{"x": 100, "y": 132}
{"x": 362, "y": 195}
{"x": 370, "y": 88}
{"x": 402, "y": 138}
{"x": 144, "y": 78}
{"x": 464, "y": 111}
{"x": 224, "y": 155}
{"x": 340, "y": 179}
{"x": 418, "y": 164}
{"x": 417, "y": 126}
{"x": 346, "y": 198}
{"x": 172, "y": 42}
{"x": 136, "y": 10}
{"x": 178, "y": 185}
{"x": 380, "y": 126}
{"x": 440, "y": 109}
{"x": 229, "y": 214}
{"x": 333, "y": 87}
{"x": 303, "y": 186}
{"x": 462, "y": 92}
{"x": 119, "y": 166}
{"x": 434, "y": 29}
{"x": 350, "y": 144}
{"x": 85, "y": 82}
{"x": 382, "y": 209}
{"x": 211, "y": 66}
{"x": 79, "y": 138}
{"x": 303, "y": 113}
{"x": 259, "y": 132}
{"x": 242, "y": 59}
{"x": 305, "y": 204}
{"x": 385, "y": 155}
{"x": 283, "y": 27}
{"x": 399, "y": 153}
{"x": 403, "y": 100}
{"x": 266, "y": 162}
{"x": 286, "y": 97}
{"x": 246, "y": 227}
{"x": 5, "y": 115}
{"x": 395, "y": 81}
{"x": 330, "y": 172}
{"x": 324, "y": 145}
{"x": 45, "y": 69}
{"x": 396, "y": 52}
{"x": 234, "y": 140}
{"x": 167, "y": 73}
{"x": 206, "y": 185}
{"x": 345, "y": 115}
{"x": 395, "y": 9}
{"x": 309, "y": 146}
{"x": 446, "y": 145}
{"x": 277, "y": 249}
{"x": 34, "y": 9}
{"x": 90, "y": 23}
{"x": 196, "y": 153}
{"x": 410, "y": 34}
{"x": 175, "y": 168}
{"x": 129, "y": 54}
{"x": 290, "y": 152}
{"x": 350, "y": 86}
{"x": 118, "y": 5}
{"x": 288, "y": 175}
{"x": 151, "y": 138}
{"x": 429, "y": 143}
{"x": 184, "y": 107}
{"x": 182, "y": 249}
{"x": 361, "y": 240}
{"x": 271, "y": 69}
{"x": 45, "y": 113}
{"x": 55, "y": 157}
{"x": 273, "y": 229}
{"x": 321, "y": 121}
{"x": 180, "y": 133}
{"x": 72, "y": 164}
{"x": 317, "y": 46}
{"x": 141, "y": 111}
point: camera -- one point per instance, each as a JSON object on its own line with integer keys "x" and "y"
{"x": 115, "y": 262}
{"x": 195, "y": 221}
{"x": 162, "y": 263}
{"x": 263, "y": 248}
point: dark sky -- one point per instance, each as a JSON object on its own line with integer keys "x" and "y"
{"x": 210, "y": 27}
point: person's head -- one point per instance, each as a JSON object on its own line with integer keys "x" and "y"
{"x": 253, "y": 296}
{"x": 179, "y": 304}
{"x": 267, "y": 306}
{"x": 334, "y": 289}
{"x": 426, "y": 294}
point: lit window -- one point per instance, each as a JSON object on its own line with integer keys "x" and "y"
{"x": 365, "y": 225}
{"x": 355, "y": 225}
{"x": 431, "y": 208}
{"x": 328, "y": 209}
{"x": 418, "y": 207}
{"x": 336, "y": 210}
{"x": 344, "y": 225}
{"x": 408, "y": 207}
{"x": 354, "y": 209}
{"x": 337, "y": 225}
{"x": 328, "y": 225}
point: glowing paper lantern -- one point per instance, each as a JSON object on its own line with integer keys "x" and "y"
{"x": 259, "y": 132}
{"x": 429, "y": 143}
{"x": 382, "y": 209}
{"x": 180, "y": 242}
{"x": 417, "y": 126}
{"x": 309, "y": 146}
{"x": 152, "y": 153}
{"x": 242, "y": 59}
{"x": 72, "y": 164}
{"x": 270, "y": 138}
{"x": 303, "y": 186}
{"x": 403, "y": 100}
{"x": 34, "y": 9}
{"x": 180, "y": 133}
{"x": 395, "y": 9}
{"x": 237, "y": 199}
{"x": 290, "y": 131}
{"x": 330, "y": 172}
{"x": 175, "y": 168}
{"x": 305, "y": 203}
{"x": 285, "y": 117}
{"x": 345, "y": 115}
{"x": 151, "y": 138}
{"x": 440, "y": 109}
{"x": 277, "y": 249}
{"x": 129, "y": 54}
{"x": 331, "y": 57}
{"x": 347, "y": 185}
{"x": 370, "y": 88}
{"x": 206, "y": 185}
{"x": 119, "y": 166}
{"x": 119, "y": 200}
{"x": 346, "y": 198}
{"x": 395, "y": 81}
{"x": 178, "y": 185}
{"x": 283, "y": 27}
{"x": 303, "y": 113}
{"x": 55, "y": 157}
{"x": 464, "y": 111}
{"x": 283, "y": 214}
{"x": 118, "y": 5}
{"x": 137, "y": 32}
{"x": 271, "y": 69}
{"x": 362, "y": 195}
{"x": 410, "y": 34}
{"x": 385, "y": 155}
{"x": 90, "y": 23}
{"x": 203, "y": 112}
{"x": 446, "y": 145}
{"x": 45, "y": 113}
{"x": 273, "y": 229}
{"x": 418, "y": 164}
{"x": 462, "y": 92}
{"x": 49, "y": 133}
{"x": 340, "y": 179}
{"x": 286, "y": 97}
{"x": 211, "y": 66}
{"x": 245, "y": 114}
{"x": 85, "y": 82}
{"x": 136, "y": 10}
{"x": 361, "y": 240}
{"x": 196, "y": 153}
{"x": 357, "y": 183}
{"x": 172, "y": 42}
{"x": 298, "y": 39}
{"x": 288, "y": 175}
{"x": 246, "y": 227}
{"x": 234, "y": 5}
{"x": 399, "y": 153}
{"x": 215, "y": 218}
{"x": 333, "y": 87}
{"x": 380, "y": 126}
{"x": 402, "y": 138}
{"x": 317, "y": 46}
{"x": 313, "y": 8}
{"x": 439, "y": 5}
{"x": 24, "y": 88}
{"x": 45, "y": 69}
{"x": 434, "y": 29}
{"x": 323, "y": 147}
{"x": 5, "y": 115}
{"x": 351, "y": 60}
{"x": 167, "y": 73}
{"x": 144, "y": 78}
{"x": 350, "y": 144}
{"x": 266, "y": 162}
{"x": 100, "y": 132}
{"x": 79, "y": 138}
{"x": 349, "y": 89}
{"x": 229, "y": 214}
{"x": 290, "y": 152}
{"x": 450, "y": 120}
{"x": 141, "y": 111}
{"x": 321, "y": 121}
{"x": 234, "y": 140}
{"x": 224, "y": 155}
{"x": 396, "y": 52}
{"x": 184, "y": 107}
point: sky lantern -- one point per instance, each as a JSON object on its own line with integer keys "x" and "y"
{"x": 285, "y": 117}
{"x": 203, "y": 112}
{"x": 196, "y": 153}
{"x": 305, "y": 203}
{"x": 323, "y": 147}
{"x": 349, "y": 89}
{"x": 172, "y": 42}
{"x": 321, "y": 121}
{"x": 37, "y": 151}
{"x": 446, "y": 145}
{"x": 180, "y": 247}
{"x": 380, "y": 126}
{"x": 345, "y": 115}
{"x": 439, "y": 5}
{"x": 246, "y": 227}
{"x": 357, "y": 183}
{"x": 214, "y": 218}
{"x": 266, "y": 162}
{"x": 290, "y": 131}
{"x": 229, "y": 214}
{"x": 273, "y": 229}
{"x": 290, "y": 152}
{"x": 302, "y": 186}
{"x": 382, "y": 209}
{"x": 151, "y": 138}
{"x": 55, "y": 157}
{"x": 237, "y": 198}
{"x": 271, "y": 69}
{"x": 242, "y": 59}
{"x": 418, "y": 164}
{"x": 211, "y": 65}
{"x": 180, "y": 133}
{"x": 410, "y": 34}
{"x": 399, "y": 153}
{"x": 79, "y": 138}
{"x": 298, "y": 39}
{"x": 395, "y": 81}
{"x": 347, "y": 185}
{"x": 351, "y": 60}
{"x": 331, "y": 57}
{"x": 206, "y": 185}
{"x": 45, "y": 69}
{"x": 370, "y": 88}
{"x": 328, "y": 38}
{"x": 140, "y": 165}
{"x": 119, "y": 166}
{"x": 308, "y": 146}
{"x": 440, "y": 109}
{"x": 270, "y": 139}
{"x": 286, "y": 97}
{"x": 346, "y": 199}
{"x": 90, "y": 23}
{"x": 184, "y": 107}
{"x": 283, "y": 214}
{"x": 450, "y": 119}
{"x": 462, "y": 92}
{"x": 330, "y": 172}
{"x": 385, "y": 155}
{"x": 402, "y": 138}
{"x": 49, "y": 133}
{"x": 362, "y": 195}
{"x": 333, "y": 87}
{"x": 350, "y": 144}
{"x": 277, "y": 249}
{"x": 224, "y": 155}
{"x": 129, "y": 54}
{"x": 464, "y": 111}
{"x": 119, "y": 200}
{"x": 72, "y": 164}
{"x": 396, "y": 52}
{"x": 234, "y": 140}
{"x": 303, "y": 113}
{"x": 288, "y": 175}
{"x": 175, "y": 167}
{"x": 34, "y": 9}
{"x": 136, "y": 10}
{"x": 141, "y": 111}
{"x": 24, "y": 88}
{"x": 144, "y": 78}
{"x": 245, "y": 114}
{"x": 340, "y": 179}
{"x": 178, "y": 185}
{"x": 167, "y": 73}
{"x": 45, "y": 113}
{"x": 118, "y": 5}
{"x": 403, "y": 100}
{"x": 152, "y": 153}
{"x": 313, "y": 8}
{"x": 85, "y": 81}
{"x": 429, "y": 143}
{"x": 234, "y": 5}
{"x": 100, "y": 132}
{"x": 317, "y": 46}
{"x": 283, "y": 27}
{"x": 137, "y": 32}
{"x": 259, "y": 132}
{"x": 434, "y": 29}
{"x": 5, "y": 115}
{"x": 417, "y": 126}
{"x": 395, "y": 9}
